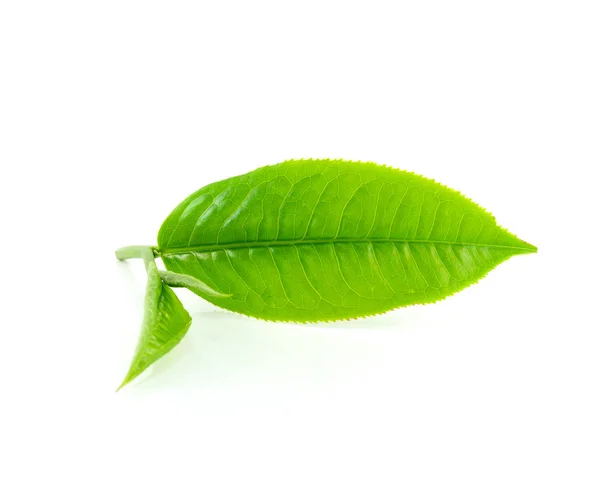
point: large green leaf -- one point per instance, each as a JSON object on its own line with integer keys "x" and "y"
{"x": 317, "y": 240}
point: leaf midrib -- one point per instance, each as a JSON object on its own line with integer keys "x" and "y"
{"x": 203, "y": 248}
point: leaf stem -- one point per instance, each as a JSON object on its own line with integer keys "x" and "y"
{"x": 173, "y": 279}
{"x": 147, "y": 253}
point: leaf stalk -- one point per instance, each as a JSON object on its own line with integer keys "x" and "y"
{"x": 146, "y": 253}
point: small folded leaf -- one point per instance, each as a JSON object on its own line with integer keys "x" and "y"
{"x": 165, "y": 323}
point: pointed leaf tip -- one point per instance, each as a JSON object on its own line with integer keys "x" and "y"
{"x": 527, "y": 247}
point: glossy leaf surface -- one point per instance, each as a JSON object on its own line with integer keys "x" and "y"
{"x": 319, "y": 240}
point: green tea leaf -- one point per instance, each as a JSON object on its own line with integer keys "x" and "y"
{"x": 165, "y": 321}
{"x": 321, "y": 240}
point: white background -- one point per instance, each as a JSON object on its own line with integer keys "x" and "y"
{"x": 112, "y": 112}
